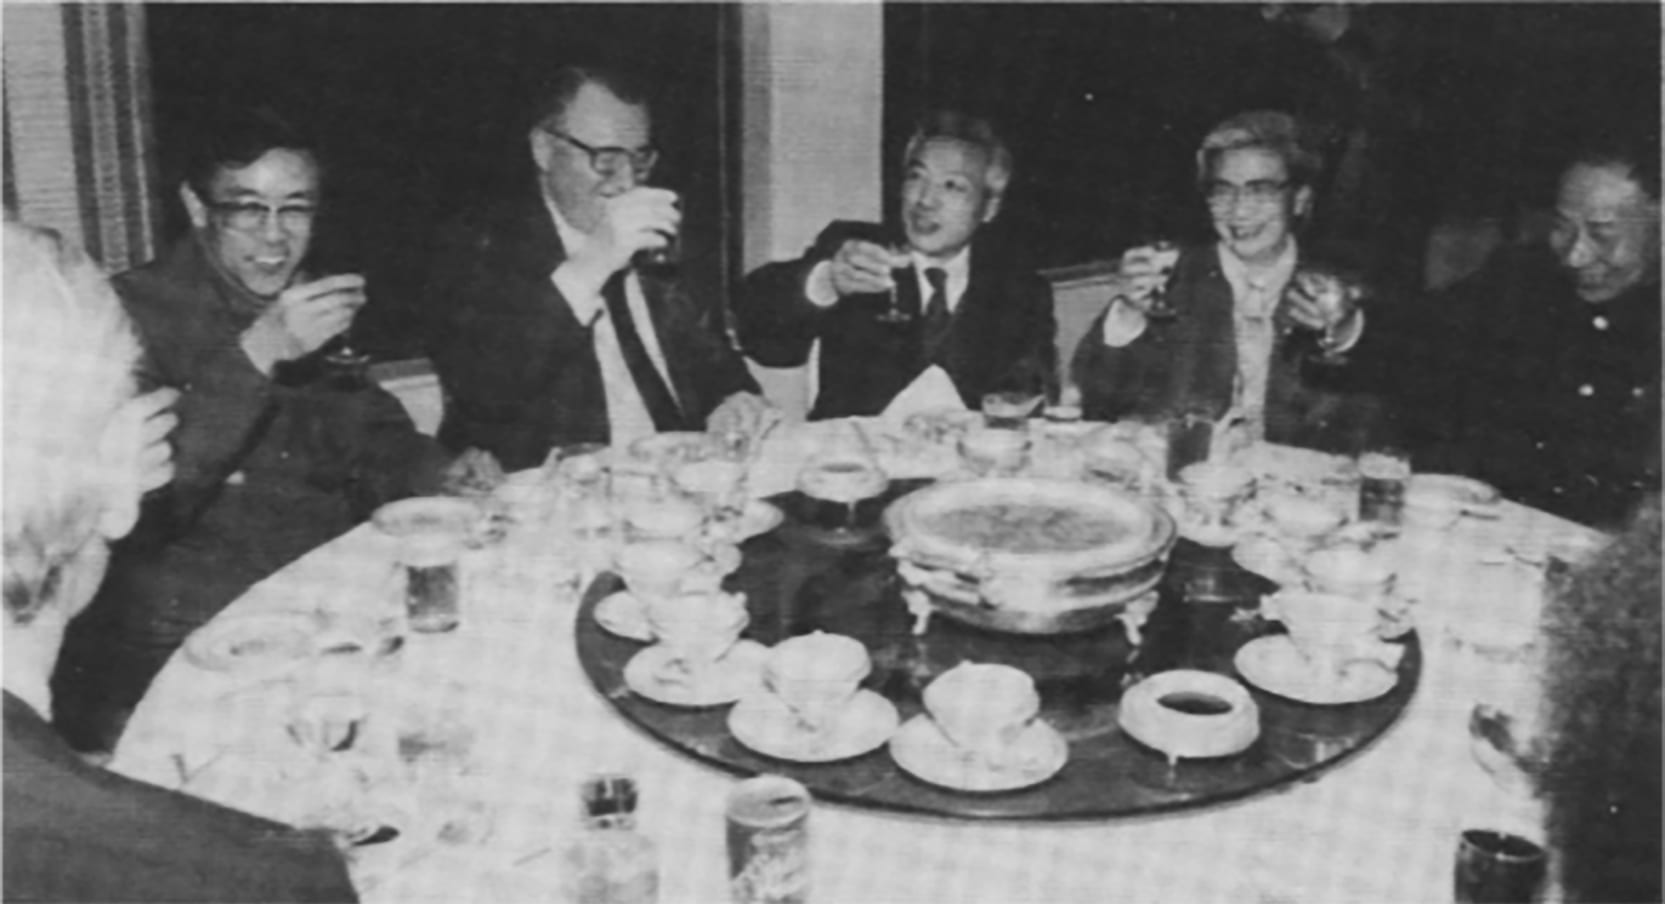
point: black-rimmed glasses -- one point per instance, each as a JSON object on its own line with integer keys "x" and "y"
{"x": 251, "y": 216}
{"x": 611, "y": 161}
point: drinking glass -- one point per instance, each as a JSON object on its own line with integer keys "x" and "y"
{"x": 664, "y": 256}
{"x": 1383, "y": 486}
{"x": 1164, "y": 254}
{"x": 1495, "y": 867}
{"x": 1009, "y": 410}
{"x": 894, "y": 312}
{"x": 1336, "y": 295}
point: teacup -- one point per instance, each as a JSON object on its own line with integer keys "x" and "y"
{"x": 715, "y": 483}
{"x": 994, "y": 450}
{"x": 816, "y": 675}
{"x": 670, "y": 519}
{"x": 1213, "y": 493}
{"x": 1430, "y": 506}
{"x": 1351, "y": 572}
{"x": 655, "y": 569}
{"x": 1300, "y": 518}
{"x": 526, "y": 496}
{"x": 981, "y": 707}
{"x": 327, "y": 722}
{"x": 1328, "y": 629}
{"x": 697, "y": 628}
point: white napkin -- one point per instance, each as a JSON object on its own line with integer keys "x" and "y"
{"x": 933, "y": 390}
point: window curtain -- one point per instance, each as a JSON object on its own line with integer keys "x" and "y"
{"x": 78, "y": 154}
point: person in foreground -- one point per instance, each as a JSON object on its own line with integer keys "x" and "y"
{"x": 887, "y": 304}
{"x": 80, "y": 448}
{"x": 1602, "y": 778}
{"x": 1541, "y": 374}
{"x": 273, "y": 457}
{"x": 1238, "y": 346}
{"x": 548, "y": 330}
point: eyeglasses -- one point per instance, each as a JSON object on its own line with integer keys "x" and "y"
{"x": 611, "y": 161}
{"x": 1260, "y": 192}
{"x": 251, "y": 216}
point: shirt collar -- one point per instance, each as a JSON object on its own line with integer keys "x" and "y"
{"x": 957, "y": 273}
{"x": 1255, "y": 291}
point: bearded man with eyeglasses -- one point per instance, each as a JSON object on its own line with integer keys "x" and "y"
{"x": 272, "y": 459}
{"x": 550, "y": 327}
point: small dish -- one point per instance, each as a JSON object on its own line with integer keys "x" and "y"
{"x": 653, "y": 675}
{"x": 1273, "y": 664}
{"x": 621, "y": 615}
{"x": 922, "y": 749}
{"x": 254, "y": 642}
{"x": 765, "y": 723}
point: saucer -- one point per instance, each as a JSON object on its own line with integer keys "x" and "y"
{"x": 765, "y": 723}
{"x": 253, "y": 642}
{"x": 739, "y": 673}
{"x": 1273, "y": 664}
{"x": 922, "y": 749}
{"x": 621, "y": 615}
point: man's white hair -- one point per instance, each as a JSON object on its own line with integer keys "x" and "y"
{"x": 973, "y": 130}
{"x": 69, "y": 359}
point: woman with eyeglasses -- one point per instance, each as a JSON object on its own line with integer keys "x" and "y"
{"x": 1249, "y": 331}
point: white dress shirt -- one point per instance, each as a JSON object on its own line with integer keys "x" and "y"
{"x": 1256, "y": 293}
{"x": 628, "y": 417}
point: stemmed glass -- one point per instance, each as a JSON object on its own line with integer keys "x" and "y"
{"x": 1163, "y": 254}
{"x": 1336, "y": 295}
{"x": 894, "y": 312}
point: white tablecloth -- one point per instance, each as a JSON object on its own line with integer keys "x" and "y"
{"x": 1379, "y": 828}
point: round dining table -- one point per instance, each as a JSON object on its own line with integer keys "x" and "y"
{"x": 1380, "y": 826}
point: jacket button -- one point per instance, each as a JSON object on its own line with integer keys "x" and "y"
{"x": 1600, "y": 322}
{"x": 1586, "y": 390}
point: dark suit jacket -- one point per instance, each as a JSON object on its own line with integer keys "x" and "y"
{"x": 1001, "y": 334}
{"x": 1509, "y": 377}
{"x": 74, "y": 832}
{"x": 519, "y": 370}
{"x": 1190, "y": 363}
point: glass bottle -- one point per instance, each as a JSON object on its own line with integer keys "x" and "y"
{"x": 610, "y": 862}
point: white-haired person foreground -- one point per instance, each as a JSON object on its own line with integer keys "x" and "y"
{"x": 81, "y": 447}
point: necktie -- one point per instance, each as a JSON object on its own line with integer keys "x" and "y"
{"x": 656, "y": 396}
{"x": 937, "y": 309}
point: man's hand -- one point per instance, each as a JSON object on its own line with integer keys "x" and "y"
{"x": 862, "y": 268}
{"x": 302, "y": 318}
{"x": 744, "y": 412}
{"x": 632, "y": 221}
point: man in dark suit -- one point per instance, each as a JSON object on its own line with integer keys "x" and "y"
{"x": 549, "y": 330}
{"x": 887, "y": 306}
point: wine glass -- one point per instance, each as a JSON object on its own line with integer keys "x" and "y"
{"x": 894, "y": 312}
{"x": 1336, "y": 295}
{"x": 1164, "y": 254}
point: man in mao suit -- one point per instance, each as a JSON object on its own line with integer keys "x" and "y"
{"x": 547, "y": 332}
{"x": 962, "y": 303}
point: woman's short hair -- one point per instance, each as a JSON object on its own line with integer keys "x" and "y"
{"x": 70, "y": 355}
{"x": 1270, "y": 130}
{"x": 973, "y": 130}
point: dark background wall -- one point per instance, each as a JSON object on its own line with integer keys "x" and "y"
{"x": 420, "y": 105}
{"x": 421, "y": 111}
{"x": 1470, "y": 105}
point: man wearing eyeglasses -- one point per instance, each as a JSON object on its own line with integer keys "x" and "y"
{"x": 272, "y": 458}
{"x": 552, "y": 329}
{"x": 1235, "y": 345}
